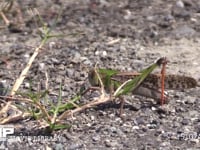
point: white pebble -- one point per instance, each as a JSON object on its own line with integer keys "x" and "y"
{"x": 104, "y": 53}
{"x": 97, "y": 53}
{"x": 135, "y": 127}
{"x": 180, "y": 4}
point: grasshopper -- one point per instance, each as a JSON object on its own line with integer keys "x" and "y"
{"x": 143, "y": 83}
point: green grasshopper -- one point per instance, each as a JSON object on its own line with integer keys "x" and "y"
{"x": 143, "y": 83}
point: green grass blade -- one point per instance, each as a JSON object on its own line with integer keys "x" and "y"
{"x": 68, "y": 105}
{"x": 59, "y": 126}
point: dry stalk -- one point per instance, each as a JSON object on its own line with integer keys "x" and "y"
{"x": 5, "y": 18}
{"x": 21, "y": 79}
{"x": 25, "y": 71}
{"x": 102, "y": 99}
{"x": 15, "y": 118}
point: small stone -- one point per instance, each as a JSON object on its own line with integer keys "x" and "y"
{"x": 122, "y": 133}
{"x": 179, "y": 109}
{"x": 180, "y": 4}
{"x": 69, "y": 72}
{"x": 96, "y": 138}
{"x": 193, "y": 20}
{"x": 109, "y": 143}
{"x": 83, "y": 59}
{"x": 165, "y": 144}
{"x": 139, "y": 120}
{"x": 168, "y": 17}
{"x": 195, "y": 140}
{"x": 184, "y": 31}
{"x": 58, "y": 80}
{"x": 135, "y": 127}
{"x": 166, "y": 135}
{"x": 51, "y": 45}
{"x": 26, "y": 56}
{"x": 104, "y": 53}
{"x": 113, "y": 129}
{"x": 27, "y": 85}
{"x": 75, "y": 146}
{"x": 96, "y": 53}
{"x": 191, "y": 100}
{"x": 92, "y": 118}
{"x": 87, "y": 62}
{"x": 176, "y": 124}
{"x": 153, "y": 108}
{"x": 180, "y": 12}
{"x": 185, "y": 122}
{"x": 55, "y": 61}
{"x": 59, "y": 146}
{"x": 104, "y": 3}
{"x": 128, "y": 15}
{"x": 187, "y": 128}
{"x": 76, "y": 57}
{"x": 151, "y": 18}
{"x": 151, "y": 126}
{"x": 41, "y": 66}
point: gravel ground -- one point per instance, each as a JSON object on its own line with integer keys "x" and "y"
{"x": 125, "y": 35}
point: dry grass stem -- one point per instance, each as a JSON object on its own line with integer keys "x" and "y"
{"x": 101, "y": 100}
{"x": 21, "y": 78}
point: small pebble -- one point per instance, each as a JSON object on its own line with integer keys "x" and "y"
{"x": 180, "y": 4}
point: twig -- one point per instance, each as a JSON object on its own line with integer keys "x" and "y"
{"x": 15, "y": 117}
{"x": 102, "y": 99}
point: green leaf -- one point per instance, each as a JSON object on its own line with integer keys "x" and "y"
{"x": 69, "y": 105}
{"x": 132, "y": 84}
{"x": 59, "y": 126}
{"x": 66, "y": 106}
